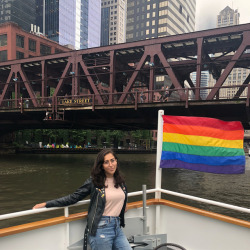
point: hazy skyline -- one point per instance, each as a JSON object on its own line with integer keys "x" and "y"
{"x": 207, "y": 11}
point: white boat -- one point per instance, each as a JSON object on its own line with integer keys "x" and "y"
{"x": 156, "y": 223}
{"x": 189, "y": 227}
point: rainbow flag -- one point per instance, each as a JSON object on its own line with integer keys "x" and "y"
{"x": 203, "y": 144}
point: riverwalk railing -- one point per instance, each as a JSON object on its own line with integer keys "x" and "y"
{"x": 132, "y": 194}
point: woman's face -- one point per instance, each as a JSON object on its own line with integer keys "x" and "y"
{"x": 109, "y": 165}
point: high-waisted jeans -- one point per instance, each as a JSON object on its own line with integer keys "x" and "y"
{"x": 109, "y": 235}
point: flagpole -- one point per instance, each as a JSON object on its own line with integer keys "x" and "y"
{"x": 158, "y": 170}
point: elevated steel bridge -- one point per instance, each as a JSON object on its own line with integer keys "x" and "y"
{"x": 116, "y": 86}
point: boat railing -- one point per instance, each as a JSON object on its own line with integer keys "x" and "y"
{"x": 137, "y": 193}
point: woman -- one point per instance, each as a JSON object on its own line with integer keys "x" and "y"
{"x": 108, "y": 198}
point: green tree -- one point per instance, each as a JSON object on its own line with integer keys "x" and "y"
{"x": 117, "y": 135}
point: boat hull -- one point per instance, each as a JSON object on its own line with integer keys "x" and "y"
{"x": 192, "y": 228}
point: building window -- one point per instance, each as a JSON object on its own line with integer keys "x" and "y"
{"x": 58, "y": 51}
{"x": 32, "y": 45}
{"x": 131, "y": 12}
{"x": 130, "y": 36}
{"x": 19, "y": 55}
{"x": 45, "y": 50}
{"x": 163, "y": 4}
{"x": 3, "y": 40}
{"x": 3, "y": 55}
{"x": 180, "y": 10}
{"x": 130, "y": 20}
{"x": 162, "y": 29}
{"x": 129, "y": 28}
{"x": 162, "y": 20}
{"x": 131, "y": 4}
{"x": 20, "y": 41}
{"x": 163, "y": 12}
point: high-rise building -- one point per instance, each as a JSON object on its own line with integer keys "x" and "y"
{"x": 94, "y": 23}
{"x": 150, "y": 19}
{"x": 74, "y": 22}
{"x": 229, "y": 17}
{"x": 18, "y": 11}
{"x": 203, "y": 84}
{"x": 113, "y": 28}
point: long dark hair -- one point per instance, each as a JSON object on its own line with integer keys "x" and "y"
{"x": 98, "y": 173}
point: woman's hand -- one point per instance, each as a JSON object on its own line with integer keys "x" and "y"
{"x": 40, "y": 205}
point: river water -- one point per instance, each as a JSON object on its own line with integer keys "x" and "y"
{"x": 29, "y": 179}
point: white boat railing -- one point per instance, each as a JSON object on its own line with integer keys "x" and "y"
{"x": 137, "y": 193}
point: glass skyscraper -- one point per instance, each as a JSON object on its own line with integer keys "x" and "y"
{"x": 18, "y": 11}
{"x": 71, "y": 22}
{"x": 94, "y": 23}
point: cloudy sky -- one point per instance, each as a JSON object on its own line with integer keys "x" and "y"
{"x": 207, "y": 11}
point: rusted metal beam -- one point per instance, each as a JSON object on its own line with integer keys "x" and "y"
{"x": 133, "y": 77}
{"x": 151, "y": 78}
{"x": 199, "y": 66}
{"x": 171, "y": 74}
{"x": 229, "y": 67}
{"x": 6, "y": 86}
{"x": 191, "y": 84}
{"x": 91, "y": 82}
{"x": 62, "y": 78}
{"x": 242, "y": 88}
{"x": 27, "y": 85}
{"x": 112, "y": 76}
{"x": 44, "y": 80}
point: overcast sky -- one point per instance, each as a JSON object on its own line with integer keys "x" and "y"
{"x": 207, "y": 11}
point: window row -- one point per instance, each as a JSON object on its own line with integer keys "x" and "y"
{"x": 44, "y": 49}
{"x": 163, "y": 4}
{"x": 109, "y": 2}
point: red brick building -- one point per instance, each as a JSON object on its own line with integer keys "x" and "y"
{"x": 15, "y": 43}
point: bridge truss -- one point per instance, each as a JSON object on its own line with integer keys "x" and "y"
{"x": 118, "y": 75}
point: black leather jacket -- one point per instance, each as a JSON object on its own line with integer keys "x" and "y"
{"x": 97, "y": 203}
